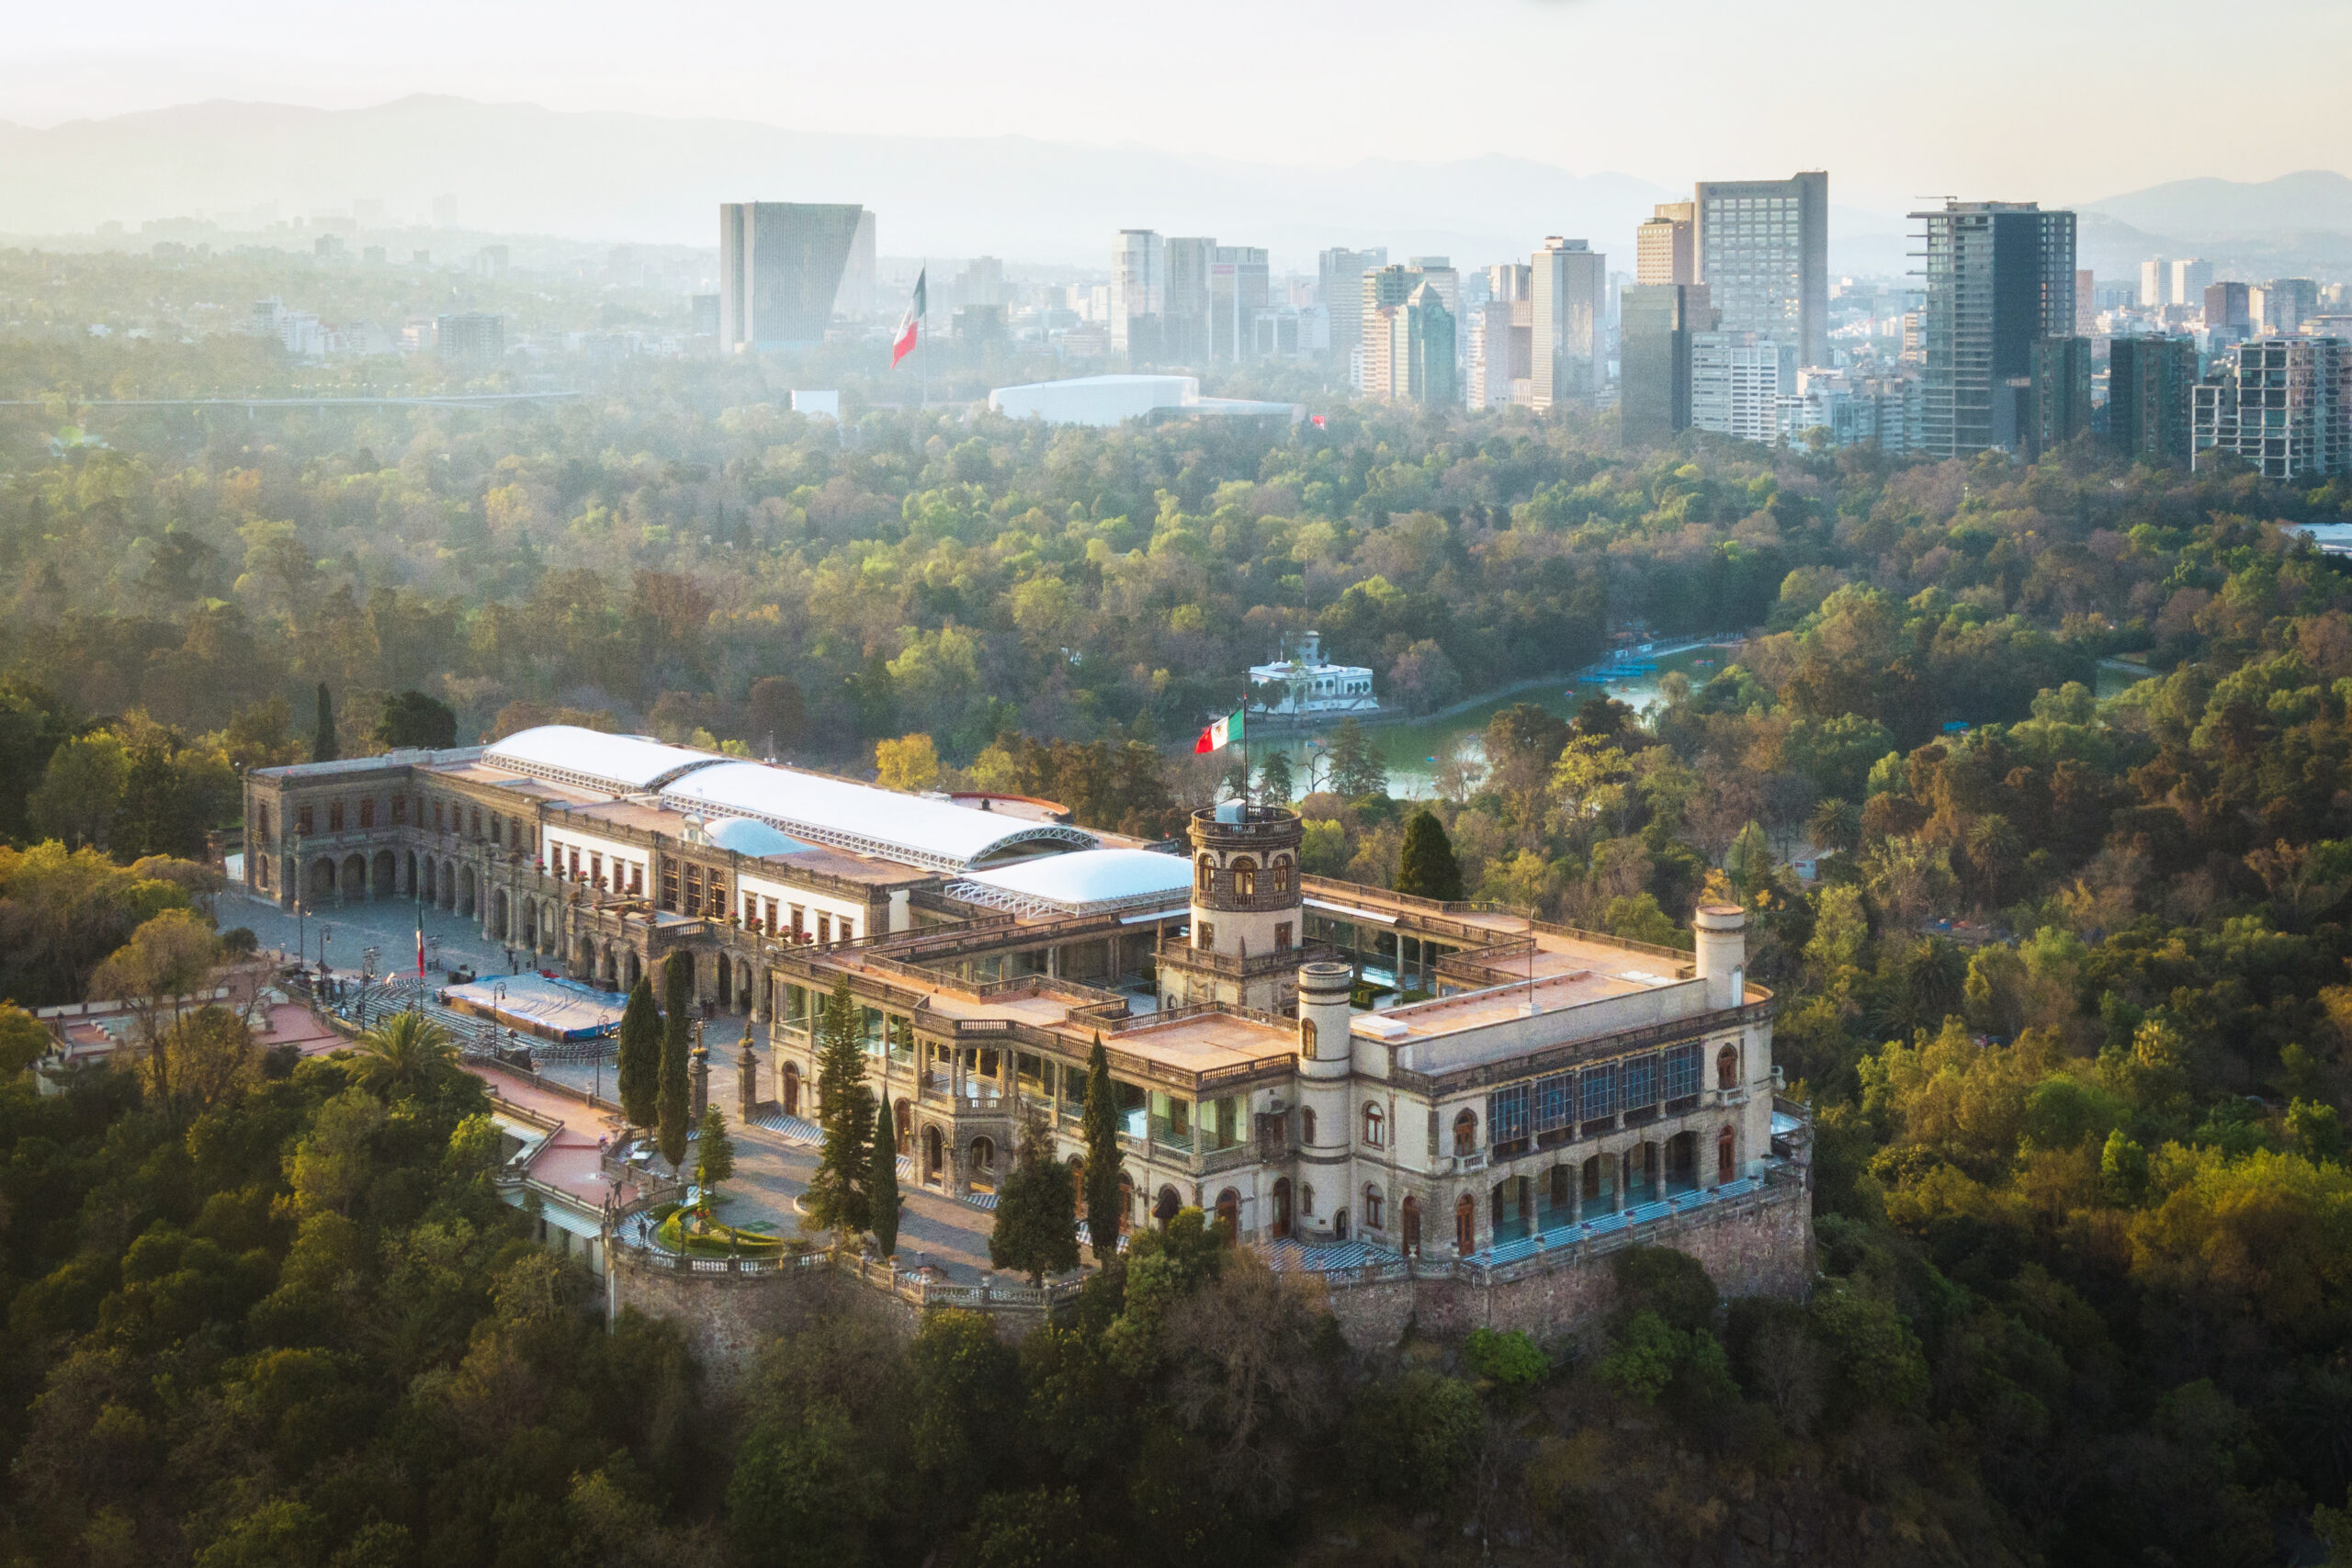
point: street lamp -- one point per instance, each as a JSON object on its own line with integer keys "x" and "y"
{"x": 604, "y": 1022}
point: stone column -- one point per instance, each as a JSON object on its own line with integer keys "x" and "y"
{"x": 747, "y": 1078}
{"x": 701, "y": 1074}
{"x": 763, "y": 995}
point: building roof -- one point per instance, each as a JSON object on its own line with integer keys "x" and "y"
{"x": 911, "y": 828}
{"x": 1084, "y": 882}
{"x": 746, "y": 837}
{"x": 623, "y": 764}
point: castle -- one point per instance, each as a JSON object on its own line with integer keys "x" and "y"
{"x": 1533, "y": 1088}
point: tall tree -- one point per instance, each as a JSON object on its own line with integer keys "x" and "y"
{"x": 882, "y": 1181}
{"x": 413, "y": 718}
{"x": 837, "y": 1196}
{"x": 322, "y": 746}
{"x": 1277, "y": 782}
{"x": 1425, "y": 867}
{"x": 1037, "y": 1210}
{"x": 1105, "y": 1204}
{"x": 639, "y": 1068}
{"x": 672, "y": 1102}
{"x": 1356, "y": 768}
{"x": 714, "y": 1155}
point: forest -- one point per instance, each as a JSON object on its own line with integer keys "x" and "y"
{"x": 2065, "y": 986}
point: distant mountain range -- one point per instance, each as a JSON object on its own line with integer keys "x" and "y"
{"x": 519, "y": 168}
{"x": 2315, "y": 200}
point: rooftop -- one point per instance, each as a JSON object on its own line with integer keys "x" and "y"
{"x": 919, "y": 831}
{"x": 1084, "y": 882}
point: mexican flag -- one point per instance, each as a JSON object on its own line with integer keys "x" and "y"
{"x": 420, "y": 941}
{"x": 911, "y": 323}
{"x": 1221, "y": 734}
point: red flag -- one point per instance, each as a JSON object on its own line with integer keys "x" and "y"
{"x": 420, "y": 941}
{"x": 910, "y": 324}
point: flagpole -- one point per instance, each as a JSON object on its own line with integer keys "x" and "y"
{"x": 923, "y": 328}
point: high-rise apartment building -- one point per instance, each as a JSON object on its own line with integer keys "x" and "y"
{"x": 855, "y": 299}
{"x": 2281, "y": 404}
{"x": 781, "y": 264}
{"x": 2226, "y": 307}
{"x": 2000, "y": 276}
{"x": 1340, "y": 277}
{"x": 1185, "y": 315}
{"x": 1763, "y": 252}
{"x": 2151, "y": 387}
{"x": 1237, "y": 292}
{"x": 1665, "y": 247}
{"x": 472, "y": 337}
{"x": 1138, "y": 294}
{"x": 2086, "y": 295}
{"x": 1384, "y": 292}
{"x": 2156, "y": 283}
{"x": 2279, "y": 307}
{"x": 1500, "y": 333}
{"x": 1736, "y": 380}
{"x": 1568, "y": 355}
{"x": 1441, "y": 274}
{"x": 1655, "y": 324}
{"x": 2060, "y": 389}
{"x": 1421, "y": 349}
{"x": 2189, "y": 277}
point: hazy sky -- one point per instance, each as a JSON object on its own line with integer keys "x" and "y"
{"x": 2026, "y": 99}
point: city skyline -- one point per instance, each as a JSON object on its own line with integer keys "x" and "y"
{"x": 799, "y": 68}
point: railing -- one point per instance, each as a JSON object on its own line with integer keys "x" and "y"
{"x": 1236, "y": 965}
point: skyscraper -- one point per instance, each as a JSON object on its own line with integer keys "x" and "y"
{"x": 1383, "y": 291}
{"x": 2189, "y": 277}
{"x": 1664, "y": 248}
{"x": 780, "y": 270}
{"x": 2279, "y": 306}
{"x": 1655, "y": 322}
{"x": 2151, "y": 383}
{"x": 2061, "y": 409}
{"x": 1421, "y": 351}
{"x": 855, "y": 299}
{"x": 1184, "y": 317}
{"x": 1737, "y": 379}
{"x": 1500, "y": 331}
{"x": 1138, "y": 294}
{"x": 1763, "y": 252}
{"x": 2156, "y": 283}
{"x": 1237, "y": 293}
{"x": 2226, "y": 308}
{"x": 2000, "y": 275}
{"x": 2282, "y": 405}
{"x": 1340, "y": 275}
{"x": 1568, "y": 356}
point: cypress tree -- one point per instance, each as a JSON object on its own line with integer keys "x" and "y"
{"x": 1425, "y": 866}
{"x": 1037, "y": 1210}
{"x": 837, "y": 1193}
{"x": 882, "y": 1181}
{"x": 322, "y": 746}
{"x": 639, "y": 1068}
{"x": 714, "y": 1155}
{"x": 673, "y": 1100}
{"x": 1104, "y": 1202}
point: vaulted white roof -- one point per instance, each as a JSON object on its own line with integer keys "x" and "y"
{"x": 1084, "y": 882}
{"x": 746, "y": 837}
{"x": 913, "y": 830}
{"x": 617, "y": 764}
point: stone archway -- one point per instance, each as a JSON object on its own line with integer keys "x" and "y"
{"x": 791, "y": 1092}
{"x": 431, "y": 888}
{"x": 408, "y": 867}
{"x": 498, "y": 908}
{"x": 632, "y": 970}
{"x": 934, "y": 1155}
{"x": 1228, "y": 1211}
{"x": 449, "y": 885}
{"x": 465, "y": 891}
{"x": 318, "y": 883}
{"x": 531, "y": 924}
{"x": 1465, "y": 1225}
{"x": 1280, "y": 1228}
{"x": 1408, "y": 1222}
{"x": 980, "y": 1171}
{"x": 726, "y": 984}
{"x": 351, "y": 882}
{"x": 384, "y": 882}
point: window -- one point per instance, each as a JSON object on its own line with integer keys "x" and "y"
{"x": 366, "y": 815}
{"x": 670, "y": 886}
{"x": 849, "y": 929}
{"x": 1371, "y": 1206}
{"x": 752, "y": 911}
{"x": 575, "y": 862}
{"x": 694, "y": 888}
{"x": 824, "y": 928}
{"x": 1204, "y": 878}
{"x": 1508, "y": 1112}
{"x": 1598, "y": 1089}
{"x": 768, "y": 925}
{"x": 420, "y": 810}
{"x": 1637, "y": 1083}
{"x": 477, "y": 821}
{"x": 1465, "y": 1133}
{"x": 1556, "y": 1101}
{"x": 262, "y": 818}
{"x": 399, "y": 811}
{"x": 1205, "y": 937}
{"x": 1375, "y": 1127}
{"x": 1306, "y": 1199}
{"x": 1725, "y": 1163}
{"x": 1282, "y": 873}
{"x": 334, "y": 816}
{"x": 596, "y": 868}
{"x": 438, "y": 825}
{"x": 1307, "y": 1038}
{"x": 799, "y": 922}
{"x": 1679, "y": 1071}
{"x": 1281, "y": 936}
{"x": 637, "y": 878}
{"x": 1245, "y": 878}
{"x": 1306, "y": 1124}
{"x": 497, "y": 825}
{"x": 1726, "y": 1059}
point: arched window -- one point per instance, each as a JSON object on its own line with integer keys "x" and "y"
{"x": 1371, "y": 1206}
{"x": 1307, "y": 1038}
{"x": 1245, "y": 878}
{"x": 1375, "y": 1127}
{"x": 1465, "y": 1133}
{"x": 1204, "y": 878}
{"x": 1306, "y": 1199}
{"x": 1280, "y": 868}
{"x": 1229, "y": 1211}
{"x": 1465, "y": 1225}
{"x": 1724, "y": 1162}
{"x": 1727, "y": 1067}
{"x": 1410, "y": 1214}
{"x": 1306, "y": 1124}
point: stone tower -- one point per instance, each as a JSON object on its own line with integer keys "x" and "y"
{"x": 1246, "y": 916}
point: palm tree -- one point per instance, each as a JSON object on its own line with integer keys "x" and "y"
{"x": 405, "y": 1052}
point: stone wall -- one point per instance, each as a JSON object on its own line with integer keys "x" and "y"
{"x": 727, "y": 1318}
{"x": 1763, "y": 1250}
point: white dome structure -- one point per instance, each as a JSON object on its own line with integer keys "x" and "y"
{"x": 1083, "y": 882}
{"x": 746, "y": 837}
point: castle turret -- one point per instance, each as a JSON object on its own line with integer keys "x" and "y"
{"x": 1242, "y": 950}
{"x": 1722, "y": 934}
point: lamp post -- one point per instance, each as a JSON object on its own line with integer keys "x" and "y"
{"x": 604, "y": 1022}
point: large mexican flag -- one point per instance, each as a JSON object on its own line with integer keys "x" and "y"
{"x": 911, "y": 323}
{"x": 1221, "y": 734}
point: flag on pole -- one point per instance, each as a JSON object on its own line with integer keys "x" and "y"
{"x": 420, "y": 941}
{"x": 1221, "y": 734}
{"x": 911, "y": 323}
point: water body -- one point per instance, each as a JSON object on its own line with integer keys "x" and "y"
{"x": 1411, "y": 750}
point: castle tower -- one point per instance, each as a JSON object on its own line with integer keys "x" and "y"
{"x": 1721, "y": 939}
{"x": 1246, "y": 914}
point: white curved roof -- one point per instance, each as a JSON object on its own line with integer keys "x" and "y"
{"x": 911, "y": 828}
{"x": 617, "y": 764}
{"x": 746, "y": 837}
{"x": 1084, "y": 882}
